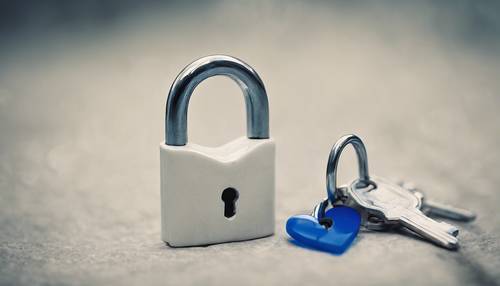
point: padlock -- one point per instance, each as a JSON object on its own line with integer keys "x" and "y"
{"x": 221, "y": 194}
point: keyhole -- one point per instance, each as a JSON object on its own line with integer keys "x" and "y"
{"x": 229, "y": 197}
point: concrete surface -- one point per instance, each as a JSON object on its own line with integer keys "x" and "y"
{"x": 81, "y": 117}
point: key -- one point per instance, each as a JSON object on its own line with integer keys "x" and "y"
{"x": 375, "y": 223}
{"x": 376, "y": 198}
{"x": 378, "y": 224}
{"x": 395, "y": 205}
{"x": 447, "y": 211}
{"x": 433, "y": 208}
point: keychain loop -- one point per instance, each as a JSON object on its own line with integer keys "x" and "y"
{"x": 320, "y": 209}
{"x": 333, "y": 160}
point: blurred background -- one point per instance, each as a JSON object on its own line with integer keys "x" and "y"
{"x": 83, "y": 86}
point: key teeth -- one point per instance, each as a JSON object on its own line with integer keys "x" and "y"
{"x": 455, "y": 232}
{"x": 452, "y": 245}
{"x": 472, "y": 217}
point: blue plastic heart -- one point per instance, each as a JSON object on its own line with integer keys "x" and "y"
{"x": 336, "y": 239}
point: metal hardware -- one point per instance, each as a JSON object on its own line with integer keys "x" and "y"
{"x": 256, "y": 101}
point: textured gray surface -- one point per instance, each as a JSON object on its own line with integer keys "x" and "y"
{"x": 81, "y": 118}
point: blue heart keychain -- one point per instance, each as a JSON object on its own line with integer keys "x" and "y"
{"x": 334, "y": 232}
{"x": 331, "y": 230}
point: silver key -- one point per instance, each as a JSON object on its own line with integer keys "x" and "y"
{"x": 434, "y": 208}
{"x": 395, "y": 205}
{"x": 375, "y": 223}
{"x": 375, "y": 197}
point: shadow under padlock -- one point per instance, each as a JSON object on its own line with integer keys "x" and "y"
{"x": 222, "y": 194}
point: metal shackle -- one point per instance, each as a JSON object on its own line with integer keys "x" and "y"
{"x": 257, "y": 106}
{"x": 333, "y": 160}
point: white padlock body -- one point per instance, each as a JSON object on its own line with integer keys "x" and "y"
{"x": 193, "y": 178}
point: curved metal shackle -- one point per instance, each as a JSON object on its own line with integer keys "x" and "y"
{"x": 333, "y": 160}
{"x": 257, "y": 106}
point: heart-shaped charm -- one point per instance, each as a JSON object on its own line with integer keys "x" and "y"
{"x": 333, "y": 237}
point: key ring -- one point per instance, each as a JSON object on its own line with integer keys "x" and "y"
{"x": 331, "y": 172}
{"x": 333, "y": 160}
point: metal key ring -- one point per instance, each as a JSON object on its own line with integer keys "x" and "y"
{"x": 333, "y": 160}
{"x": 320, "y": 209}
